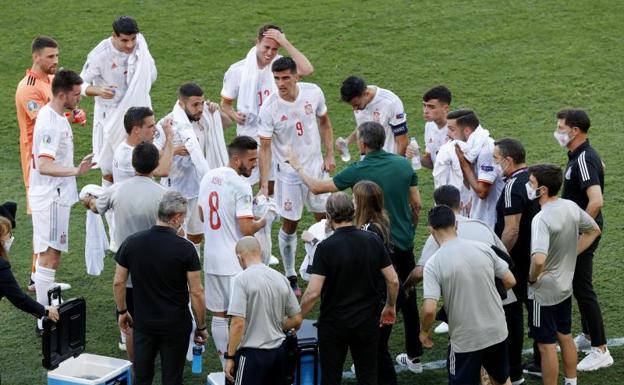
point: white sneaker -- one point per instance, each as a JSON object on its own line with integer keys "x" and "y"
{"x": 352, "y": 368}
{"x": 582, "y": 343}
{"x": 442, "y": 328}
{"x": 121, "y": 344}
{"x": 273, "y": 261}
{"x": 595, "y": 360}
{"x": 414, "y": 367}
{"x": 63, "y": 286}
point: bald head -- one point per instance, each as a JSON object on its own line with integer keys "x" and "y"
{"x": 248, "y": 248}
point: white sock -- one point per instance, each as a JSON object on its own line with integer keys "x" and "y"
{"x": 219, "y": 330}
{"x": 288, "y": 250}
{"x": 198, "y": 249}
{"x": 123, "y": 337}
{"x": 32, "y": 274}
{"x": 44, "y": 278}
{"x": 570, "y": 381}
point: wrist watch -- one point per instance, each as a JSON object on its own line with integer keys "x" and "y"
{"x": 227, "y": 356}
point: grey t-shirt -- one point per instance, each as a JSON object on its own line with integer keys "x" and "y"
{"x": 463, "y": 272}
{"x": 263, "y": 297}
{"x": 554, "y": 232}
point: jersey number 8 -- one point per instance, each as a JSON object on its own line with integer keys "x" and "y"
{"x": 213, "y": 216}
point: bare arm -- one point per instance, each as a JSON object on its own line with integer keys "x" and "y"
{"x": 316, "y": 186}
{"x": 426, "y": 161}
{"x": 415, "y": 204}
{"x": 293, "y": 322}
{"x": 481, "y": 188}
{"x": 166, "y": 157}
{"x": 265, "y": 164}
{"x": 327, "y": 136}
{"x": 401, "y": 142}
{"x": 47, "y": 166}
{"x": 237, "y": 328}
{"x": 538, "y": 261}
{"x": 312, "y": 293}
{"x": 415, "y": 276}
{"x": 249, "y": 226}
{"x": 119, "y": 286}
{"x": 511, "y": 230}
{"x": 509, "y": 280}
{"x": 198, "y": 301}
{"x": 228, "y": 109}
{"x": 392, "y": 285}
{"x": 304, "y": 67}
{"x": 587, "y": 238}
{"x": 594, "y": 193}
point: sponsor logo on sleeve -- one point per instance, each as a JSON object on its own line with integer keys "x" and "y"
{"x": 47, "y": 139}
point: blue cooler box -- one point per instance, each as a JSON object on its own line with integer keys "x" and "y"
{"x": 91, "y": 369}
{"x": 308, "y": 369}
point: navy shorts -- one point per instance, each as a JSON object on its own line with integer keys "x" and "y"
{"x": 546, "y": 321}
{"x": 260, "y": 366}
{"x": 465, "y": 368}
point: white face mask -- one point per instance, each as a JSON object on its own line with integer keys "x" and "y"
{"x": 563, "y": 138}
{"x": 531, "y": 192}
{"x": 8, "y": 243}
{"x": 500, "y": 171}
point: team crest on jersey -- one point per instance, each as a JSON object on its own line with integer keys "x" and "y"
{"x": 157, "y": 134}
{"x": 63, "y": 239}
{"x": 376, "y": 116}
{"x": 47, "y": 139}
{"x": 308, "y": 108}
{"x": 568, "y": 173}
{"x": 32, "y": 106}
{"x": 288, "y": 205}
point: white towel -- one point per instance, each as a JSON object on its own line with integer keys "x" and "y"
{"x": 246, "y": 101}
{"x": 320, "y": 232}
{"x": 447, "y": 170}
{"x": 265, "y": 207}
{"x": 475, "y": 141}
{"x": 96, "y": 242}
{"x": 137, "y": 95}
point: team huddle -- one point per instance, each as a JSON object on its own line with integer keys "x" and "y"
{"x": 502, "y": 240}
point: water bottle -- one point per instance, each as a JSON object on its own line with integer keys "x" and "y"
{"x": 197, "y": 359}
{"x": 344, "y": 149}
{"x": 416, "y": 154}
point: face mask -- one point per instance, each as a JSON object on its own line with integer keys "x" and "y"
{"x": 498, "y": 167}
{"x": 562, "y": 138}
{"x": 531, "y": 192}
{"x": 8, "y": 243}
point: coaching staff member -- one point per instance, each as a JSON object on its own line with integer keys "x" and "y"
{"x": 399, "y": 183}
{"x": 165, "y": 268}
{"x": 262, "y": 307}
{"x": 463, "y": 272}
{"x": 348, "y": 273}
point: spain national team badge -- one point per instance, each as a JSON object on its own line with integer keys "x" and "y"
{"x": 288, "y": 205}
{"x": 63, "y": 239}
{"x": 376, "y": 116}
{"x": 308, "y": 108}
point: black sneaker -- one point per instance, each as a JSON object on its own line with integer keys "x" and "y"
{"x": 533, "y": 369}
{"x": 294, "y": 286}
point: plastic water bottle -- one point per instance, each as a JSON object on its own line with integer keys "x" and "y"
{"x": 416, "y": 154}
{"x": 344, "y": 149}
{"x": 197, "y": 359}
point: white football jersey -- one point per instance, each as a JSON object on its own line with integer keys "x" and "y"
{"x": 224, "y": 197}
{"x": 52, "y": 138}
{"x": 231, "y": 86}
{"x": 485, "y": 209}
{"x": 294, "y": 125}
{"x": 386, "y": 109}
{"x": 435, "y": 137}
{"x": 122, "y": 162}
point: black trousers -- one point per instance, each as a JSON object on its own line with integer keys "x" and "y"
{"x": 515, "y": 328}
{"x": 583, "y": 289}
{"x": 335, "y": 340}
{"x": 385, "y": 364}
{"x": 172, "y": 349}
{"x": 403, "y": 261}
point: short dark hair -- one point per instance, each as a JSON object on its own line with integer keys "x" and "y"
{"x": 441, "y": 217}
{"x": 242, "y": 144}
{"x": 575, "y": 117}
{"x": 440, "y": 93}
{"x": 41, "y": 42}
{"x": 190, "y": 89}
{"x": 125, "y": 25}
{"x": 549, "y": 175}
{"x": 265, "y": 28}
{"x": 339, "y": 207}
{"x": 464, "y": 118}
{"x": 284, "y": 63}
{"x": 65, "y": 80}
{"x": 145, "y": 158}
{"x": 352, "y": 87}
{"x": 447, "y": 195}
{"x": 372, "y": 134}
{"x": 135, "y": 116}
{"x": 511, "y": 148}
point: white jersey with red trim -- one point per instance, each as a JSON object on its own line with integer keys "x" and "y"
{"x": 386, "y": 109}
{"x": 435, "y": 137}
{"x": 224, "y": 197}
{"x": 294, "y": 125}
{"x": 53, "y": 138}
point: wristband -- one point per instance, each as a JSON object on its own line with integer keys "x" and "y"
{"x": 123, "y": 311}
{"x": 227, "y": 356}
{"x": 201, "y": 329}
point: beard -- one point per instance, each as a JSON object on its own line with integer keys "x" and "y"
{"x": 193, "y": 118}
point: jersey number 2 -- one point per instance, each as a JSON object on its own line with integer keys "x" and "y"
{"x": 213, "y": 216}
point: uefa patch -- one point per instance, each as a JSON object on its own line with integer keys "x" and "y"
{"x": 487, "y": 168}
{"x": 308, "y": 108}
{"x": 400, "y": 116}
{"x": 288, "y": 205}
{"x": 32, "y": 106}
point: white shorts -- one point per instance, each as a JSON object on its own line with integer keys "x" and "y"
{"x": 291, "y": 197}
{"x": 192, "y": 224}
{"x": 217, "y": 291}
{"x": 51, "y": 228}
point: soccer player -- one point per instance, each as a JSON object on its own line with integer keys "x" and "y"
{"x": 33, "y": 92}
{"x": 477, "y": 163}
{"x": 376, "y": 104}
{"x": 109, "y": 75}
{"x": 52, "y": 189}
{"x": 436, "y": 104}
{"x": 559, "y": 232}
{"x": 225, "y": 208}
{"x": 250, "y": 81}
{"x": 295, "y": 117}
